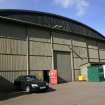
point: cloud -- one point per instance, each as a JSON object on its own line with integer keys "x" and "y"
{"x": 63, "y": 3}
{"x": 80, "y": 5}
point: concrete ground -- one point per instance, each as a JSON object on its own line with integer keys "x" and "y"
{"x": 75, "y": 93}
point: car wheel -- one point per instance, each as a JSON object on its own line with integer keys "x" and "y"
{"x": 27, "y": 89}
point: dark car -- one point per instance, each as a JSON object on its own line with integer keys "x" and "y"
{"x": 30, "y": 83}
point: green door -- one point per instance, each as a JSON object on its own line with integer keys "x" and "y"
{"x": 63, "y": 65}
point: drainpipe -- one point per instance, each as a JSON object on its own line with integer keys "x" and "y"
{"x": 52, "y": 47}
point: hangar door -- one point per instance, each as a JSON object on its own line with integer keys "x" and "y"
{"x": 63, "y": 65}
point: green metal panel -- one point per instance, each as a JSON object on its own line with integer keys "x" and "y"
{"x": 95, "y": 73}
{"x": 63, "y": 65}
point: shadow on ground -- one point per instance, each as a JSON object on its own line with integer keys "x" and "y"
{"x": 14, "y": 94}
{"x": 49, "y": 90}
{"x": 8, "y": 95}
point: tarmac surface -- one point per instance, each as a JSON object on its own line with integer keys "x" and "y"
{"x": 73, "y": 93}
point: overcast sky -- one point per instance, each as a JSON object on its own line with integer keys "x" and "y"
{"x": 90, "y": 12}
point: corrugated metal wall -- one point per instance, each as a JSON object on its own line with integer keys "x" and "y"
{"x": 84, "y": 49}
{"x": 13, "y": 49}
{"x": 40, "y": 49}
{"x": 12, "y": 53}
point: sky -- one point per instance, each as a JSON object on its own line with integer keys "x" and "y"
{"x": 89, "y": 12}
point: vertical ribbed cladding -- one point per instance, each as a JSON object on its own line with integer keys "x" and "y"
{"x": 13, "y": 44}
{"x": 12, "y": 53}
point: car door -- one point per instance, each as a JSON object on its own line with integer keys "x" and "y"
{"x": 22, "y": 82}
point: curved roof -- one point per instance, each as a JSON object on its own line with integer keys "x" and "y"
{"x": 49, "y": 20}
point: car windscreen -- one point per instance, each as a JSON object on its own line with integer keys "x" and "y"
{"x": 31, "y": 78}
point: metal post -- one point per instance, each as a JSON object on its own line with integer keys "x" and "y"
{"x": 99, "y": 54}
{"x": 52, "y": 47}
{"x": 87, "y": 52}
{"x": 27, "y": 52}
{"x": 72, "y": 62}
{"x": 52, "y": 60}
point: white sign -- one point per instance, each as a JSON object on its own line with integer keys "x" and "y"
{"x": 104, "y": 70}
